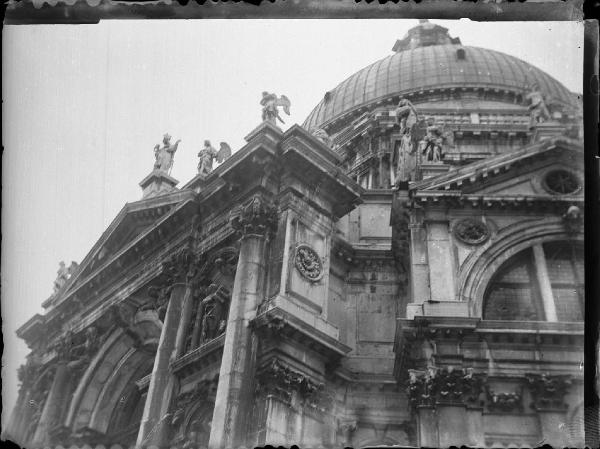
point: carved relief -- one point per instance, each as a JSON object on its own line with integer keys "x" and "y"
{"x": 504, "y": 402}
{"x": 446, "y": 385}
{"x": 548, "y": 392}
{"x": 257, "y": 217}
{"x": 308, "y": 263}
{"x": 472, "y": 232}
{"x": 204, "y": 390}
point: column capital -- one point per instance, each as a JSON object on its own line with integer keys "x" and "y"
{"x": 548, "y": 391}
{"x": 255, "y": 217}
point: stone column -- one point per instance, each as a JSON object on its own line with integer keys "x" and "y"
{"x": 475, "y": 432}
{"x": 544, "y": 282}
{"x": 554, "y": 428}
{"x": 53, "y": 406}
{"x": 162, "y": 381}
{"x": 254, "y": 221}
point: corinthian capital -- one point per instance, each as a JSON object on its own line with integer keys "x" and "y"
{"x": 257, "y": 217}
{"x": 180, "y": 267}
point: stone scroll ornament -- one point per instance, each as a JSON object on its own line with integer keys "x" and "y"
{"x": 308, "y": 263}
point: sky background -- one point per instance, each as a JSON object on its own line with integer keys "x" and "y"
{"x": 84, "y": 105}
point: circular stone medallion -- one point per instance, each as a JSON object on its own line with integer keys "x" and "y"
{"x": 308, "y": 263}
{"x": 472, "y": 232}
{"x": 561, "y": 182}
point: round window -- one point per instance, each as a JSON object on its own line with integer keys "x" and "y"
{"x": 561, "y": 182}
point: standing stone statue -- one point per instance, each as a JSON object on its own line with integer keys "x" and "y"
{"x": 538, "y": 111}
{"x": 406, "y": 115}
{"x": 208, "y": 153}
{"x": 406, "y": 118}
{"x": 270, "y": 103}
{"x": 165, "y": 155}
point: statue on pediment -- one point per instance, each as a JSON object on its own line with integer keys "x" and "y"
{"x": 431, "y": 147}
{"x": 165, "y": 155}
{"x": 64, "y": 274}
{"x": 407, "y": 118}
{"x": 270, "y": 103}
{"x": 406, "y": 115}
{"x": 208, "y": 154}
{"x": 538, "y": 110}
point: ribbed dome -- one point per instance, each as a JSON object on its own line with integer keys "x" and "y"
{"x": 434, "y": 67}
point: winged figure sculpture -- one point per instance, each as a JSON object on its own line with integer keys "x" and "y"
{"x": 270, "y": 103}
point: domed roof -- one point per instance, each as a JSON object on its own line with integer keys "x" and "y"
{"x": 440, "y": 62}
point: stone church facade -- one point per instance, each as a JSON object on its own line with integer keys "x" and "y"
{"x": 405, "y": 268}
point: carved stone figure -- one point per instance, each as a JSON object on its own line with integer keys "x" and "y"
{"x": 214, "y": 314}
{"x": 208, "y": 153}
{"x": 165, "y": 155}
{"x": 63, "y": 275}
{"x": 270, "y": 103}
{"x": 406, "y": 115}
{"x": 538, "y": 111}
{"x": 432, "y": 145}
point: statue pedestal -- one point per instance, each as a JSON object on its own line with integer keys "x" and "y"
{"x": 157, "y": 183}
{"x": 547, "y": 130}
{"x": 429, "y": 169}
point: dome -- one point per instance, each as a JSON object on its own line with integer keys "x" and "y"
{"x": 433, "y": 61}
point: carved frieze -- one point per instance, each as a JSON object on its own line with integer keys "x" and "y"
{"x": 256, "y": 217}
{"x": 445, "y": 385}
{"x": 548, "y": 392}
{"x": 308, "y": 263}
{"x": 504, "y": 401}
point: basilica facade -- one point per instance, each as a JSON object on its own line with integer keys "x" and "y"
{"x": 405, "y": 268}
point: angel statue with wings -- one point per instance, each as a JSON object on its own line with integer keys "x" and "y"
{"x": 270, "y": 102}
{"x": 165, "y": 155}
{"x": 208, "y": 153}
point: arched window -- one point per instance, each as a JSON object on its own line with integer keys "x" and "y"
{"x": 544, "y": 282}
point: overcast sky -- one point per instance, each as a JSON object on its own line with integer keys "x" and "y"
{"x": 84, "y": 106}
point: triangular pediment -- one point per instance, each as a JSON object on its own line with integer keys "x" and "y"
{"x": 527, "y": 172}
{"x": 131, "y": 223}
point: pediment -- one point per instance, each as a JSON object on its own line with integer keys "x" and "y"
{"x": 132, "y": 222}
{"x": 527, "y": 172}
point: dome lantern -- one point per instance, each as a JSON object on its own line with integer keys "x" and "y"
{"x": 424, "y": 35}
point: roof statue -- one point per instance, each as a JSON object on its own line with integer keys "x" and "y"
{"x": 538, "y": 109}
{"x": 406, "y": 115}
{"x": 63, "y": 275}
{"x": 270, "y": 102}
{"x": 165, "y": 155}
{"x": 431, "y": 146}
{"x": 208, "y": 153}
{"x": 407, "y": 118}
